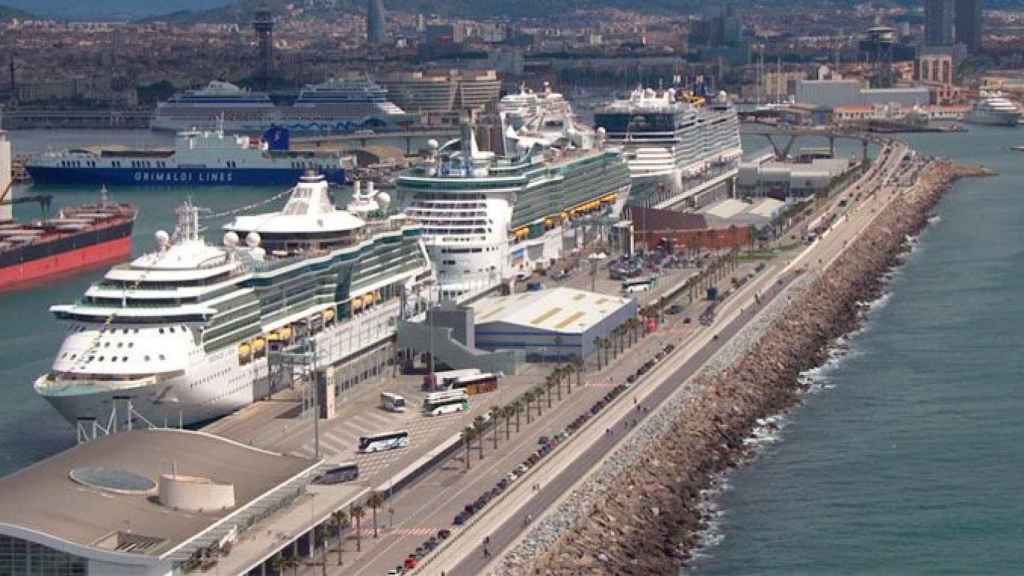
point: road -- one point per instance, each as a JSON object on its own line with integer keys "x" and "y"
{"x": 430, "y": 505}
{"x": 504, "y": 524}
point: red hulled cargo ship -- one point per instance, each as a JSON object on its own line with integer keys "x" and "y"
{"x": 79, "y": 237}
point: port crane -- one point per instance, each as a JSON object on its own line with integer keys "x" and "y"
{"x": 44, "y": 200}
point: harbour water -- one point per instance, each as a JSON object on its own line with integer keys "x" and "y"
{"x": 906, "y": 457}
{"x": 29, "y": 428}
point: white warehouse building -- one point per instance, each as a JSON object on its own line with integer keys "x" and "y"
{"x": 836, "y": 93}
{"x": 560, "y": 322}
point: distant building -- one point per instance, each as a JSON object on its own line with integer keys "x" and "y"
{"x": 375, "y": 31}
{"x": 938, "y": 25}
{"x": 835, "y": 93}
{"x": 685, "y": 230}
{"x": 781, "y": 180}
{"x": 968, "y": 24}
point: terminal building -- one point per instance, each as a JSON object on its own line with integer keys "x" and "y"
{"x": 155, "y": 502}
{"x": 556, "y": 323}
{"x": 782, "y": 180}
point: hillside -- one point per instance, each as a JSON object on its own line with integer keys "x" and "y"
{"x": 242, "y": 10}
{"x": 8, "y": 13}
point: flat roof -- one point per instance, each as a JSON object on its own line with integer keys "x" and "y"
{"x": 560, "y": 309}
{"x": 43, "y": 498}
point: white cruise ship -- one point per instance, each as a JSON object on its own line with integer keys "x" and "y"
{"x": 203, "y": 109}
{"x": 184, "y": 332}
{"x": 994, "y": 109}
{"x": 674, "y": 142}
{"x": 487, "y": 217}
{"x": 337, "y": 105}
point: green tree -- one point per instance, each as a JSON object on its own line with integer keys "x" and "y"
{"x": 357, "y": 512}
{"x": 468, "y": 435}
{"x": 340, "y": 521}
{"x": 375, "y": 501}
{"x": 479, "y": 424}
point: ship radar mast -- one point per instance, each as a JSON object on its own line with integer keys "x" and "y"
{"x": 187, "y": 226}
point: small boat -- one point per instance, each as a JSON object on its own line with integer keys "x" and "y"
{"x": 1017, "y": 147}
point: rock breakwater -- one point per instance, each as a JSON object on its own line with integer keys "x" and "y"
{"x": 641, "y": 512}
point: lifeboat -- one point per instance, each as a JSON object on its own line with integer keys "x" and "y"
{"x": 285, "y": 332}
{"x": 377, "y": 297}
{"x": 328, "y": 314}
{"x": 273, "y": 336}
{"x": 259, "y": 344}
{"x": 244, "y": 350}
{"x": 357, "y": 303}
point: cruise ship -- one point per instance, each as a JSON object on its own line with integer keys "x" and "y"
{"x": 490, "y": 216}
{"x": 339, "y": 105}
{"x": 994, "y": 109}
{"x": 184, "y": 331}
{"x": 199, "y": 158}
{"x": 675, "y": 142}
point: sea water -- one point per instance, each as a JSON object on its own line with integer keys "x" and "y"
{"x": 907, "y": 456}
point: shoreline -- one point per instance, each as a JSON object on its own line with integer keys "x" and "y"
{"x": 646, "y": 510}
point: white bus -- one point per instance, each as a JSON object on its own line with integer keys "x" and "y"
{"x": 437, "y": 403}
{"x": 392, "y": 402}
{"x": 383, "y": 441}
{"x": 641, "y": 284}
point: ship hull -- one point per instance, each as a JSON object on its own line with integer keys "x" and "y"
{"x": 37, "y": 263}
{"x": 174, "y": 176}
{"x": 1008, "y": 120}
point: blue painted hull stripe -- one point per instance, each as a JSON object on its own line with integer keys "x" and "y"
{"x": 175, "y": 176}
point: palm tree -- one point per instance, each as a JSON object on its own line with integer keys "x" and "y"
{"x": 538, "y": 395}
{"x": 278, "y": 563}
{"x": 357, "y": 512}
{"x": 375, "y": 501}
{"x": 508, "y": 412}
{"x": 340, "y": 521}
{"x": 495, "y": 414}
{"x": 528, "y": 399}
{"x": 478, "y": 423}
{"x": 577, "y": 363}
{"x": 518, "y": 405}
{"x": 468, "y": 435}
{"x": 549, "y": 383}
{"x": 292, "y": 563}
{"x": 559, "y": 378}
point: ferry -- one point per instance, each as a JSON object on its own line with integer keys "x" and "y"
{"x": 489, "y": 216}
{"x": 199, "y": 158}
{"x": 185, "y": 330}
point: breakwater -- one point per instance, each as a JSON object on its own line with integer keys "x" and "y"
{"x": 641, "y": 512}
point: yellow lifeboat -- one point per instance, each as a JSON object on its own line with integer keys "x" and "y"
{"x": 357, "y": 303}
{"x": 244, "y": 350}
{"x": 286, "y": 333}
{"x": 258, "y": 344}
{"x": 273, "y": 336}
{"x": 328, "y": 314}
{"x": 377, "y": 296}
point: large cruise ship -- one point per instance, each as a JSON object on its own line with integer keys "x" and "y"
{"x": 994, "y": 109}
{"x": 487, "y": 216}
{"x": 674, "y": 142}
{"x": 338, "y": 105}
{"x": 184, "y": 331}
{"x": 199, "y": 158}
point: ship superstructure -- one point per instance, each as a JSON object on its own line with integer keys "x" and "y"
{"x": 487, "y": 217}
{"x": 674, "y": 141}
{"x": 184, "y": 332}
{"x": 199, "y": 158}
{"x": 994, "y": 109}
